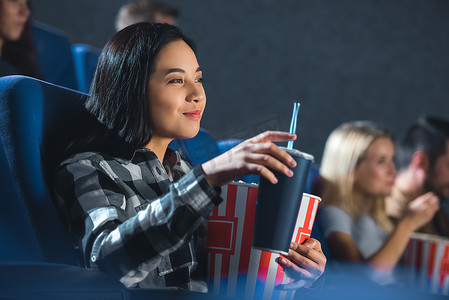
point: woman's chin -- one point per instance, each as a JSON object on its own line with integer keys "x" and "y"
{"x": 189, "y": 135}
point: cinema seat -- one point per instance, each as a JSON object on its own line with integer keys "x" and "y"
{"x": 85, "y": 58}
{"x": 54, "y": 55}
{"x": 17, "y": 236}
{"x": 37, "y": 260}
{"x": 29, "y": 108}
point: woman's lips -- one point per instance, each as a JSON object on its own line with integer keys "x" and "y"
{"x": 196, "y": 114}
{"x": 390, "y": 183}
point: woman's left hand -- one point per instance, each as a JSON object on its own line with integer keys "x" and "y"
{"x": 305, "y": 263}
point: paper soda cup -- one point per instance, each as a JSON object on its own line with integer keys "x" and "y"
{"x": 235, "y": 269}
{"x": 278, "y": 205}
{"x": 428, "y": 257}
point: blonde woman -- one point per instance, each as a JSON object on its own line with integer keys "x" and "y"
{"x": 357, "y": 173}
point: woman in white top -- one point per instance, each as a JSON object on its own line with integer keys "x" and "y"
{"x": 357, "y": 173}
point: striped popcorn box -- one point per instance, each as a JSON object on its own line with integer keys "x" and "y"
{"x": 235, "y": 268}
{"x": 428, "y": 257}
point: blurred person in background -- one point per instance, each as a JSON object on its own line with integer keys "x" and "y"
{"x": 423, "y": 163}
{"x": 145, "y": 11}
{"x": 132, "y": 206}
{"x": 16, "y": 47}
{"x": 357, "y": 173}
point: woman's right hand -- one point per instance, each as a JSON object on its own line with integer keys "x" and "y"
{"x": 257, "y": 155}
{"x": 421, "y": 210}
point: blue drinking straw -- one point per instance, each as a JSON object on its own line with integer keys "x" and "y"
{"x": 293, "y": 123}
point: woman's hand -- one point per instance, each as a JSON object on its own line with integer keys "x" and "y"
{"x": 258, "y": 155}
{"x": 421, "y": 210}
{"x": 305, "y": 263}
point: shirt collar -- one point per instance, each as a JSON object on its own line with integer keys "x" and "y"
{"x": 171, "y": 157}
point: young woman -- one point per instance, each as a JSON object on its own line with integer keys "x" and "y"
{"x": 16, "y": 48}
{"x": 132, "y": 205}
{"x": 357, "y": 173}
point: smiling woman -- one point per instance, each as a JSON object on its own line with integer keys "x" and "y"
{"x": 176, "y": 95}
{"x": 132, "y": 206}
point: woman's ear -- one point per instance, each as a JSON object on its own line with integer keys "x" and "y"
{"x": 420, "y": 160}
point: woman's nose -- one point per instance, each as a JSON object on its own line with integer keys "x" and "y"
{"x": 392, "y": 168}
{"x": 196, "y": 93}
{"x": 24, "y": 9}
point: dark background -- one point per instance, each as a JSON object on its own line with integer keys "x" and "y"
{"x": 380, "y": 60}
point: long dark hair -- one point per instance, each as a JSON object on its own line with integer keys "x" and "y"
{"x": 119, "y": 91}
{"x": 116, "y": 119}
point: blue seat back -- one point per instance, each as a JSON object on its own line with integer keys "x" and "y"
{"x": 225, "y": 145}
{"x": 314, "y": 173}
{"x": 17, "y": 238}
{"x": 317, "y": 232}
{"x": 54, "y": 55}
{"x": 85, "y": 58}
{"x": 29, "y": 110}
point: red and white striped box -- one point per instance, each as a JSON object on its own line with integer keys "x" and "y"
{"x": 235, "y": 268}
{"x": 428, "y": 257}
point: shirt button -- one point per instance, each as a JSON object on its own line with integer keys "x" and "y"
{"x": 158, "y": 171}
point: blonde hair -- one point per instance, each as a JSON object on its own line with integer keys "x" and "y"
{"x": 345, "y": 148}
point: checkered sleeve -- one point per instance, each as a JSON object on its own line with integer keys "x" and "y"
{"x": 129, "y": 247}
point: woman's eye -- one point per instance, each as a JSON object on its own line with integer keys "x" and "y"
{"x": 381, "y": 161}
{"x": 177, "y": 80}
{"x": 200, "y": 80}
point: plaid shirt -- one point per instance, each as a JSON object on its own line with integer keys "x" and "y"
{"x": 136, "y": 218}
